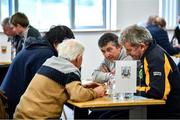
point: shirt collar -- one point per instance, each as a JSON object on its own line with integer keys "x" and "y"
{"x": 26, "y": 32}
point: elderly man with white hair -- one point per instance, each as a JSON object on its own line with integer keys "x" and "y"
{"x": 55, "y": 82}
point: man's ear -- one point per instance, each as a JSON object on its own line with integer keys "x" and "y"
{"x": 143, "y": 45}
{"x": 119, "y": 45}
{"x": 77, "y": 61}
{"x": 78, "y": 58}
{"x": 55, "y": 44}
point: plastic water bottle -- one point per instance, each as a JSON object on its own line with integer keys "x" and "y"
{"x": 111, "y": 88}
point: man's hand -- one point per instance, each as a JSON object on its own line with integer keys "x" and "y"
{"x": 100, "y": 90}
{"x": 178, "y": 46}
{"x": 91, "y": 85}
{"x": 104, "y": 68}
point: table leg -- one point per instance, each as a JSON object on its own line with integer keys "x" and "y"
{"x": 80, "y": 113}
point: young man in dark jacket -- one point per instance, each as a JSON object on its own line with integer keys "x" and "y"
{"x": 22, "y": 27}
{"x": 28, "y": 61}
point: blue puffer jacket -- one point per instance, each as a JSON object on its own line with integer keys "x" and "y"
{"x": 23, "y": 69}
{"x": 161, "y": 38}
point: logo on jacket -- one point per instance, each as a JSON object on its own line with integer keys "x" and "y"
{"x": 157, "y": 73}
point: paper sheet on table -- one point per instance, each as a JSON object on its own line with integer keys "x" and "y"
{"x": 125, "y": 76}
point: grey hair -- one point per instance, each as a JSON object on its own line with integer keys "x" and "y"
{"x": 135, "y": 35}
{"x": 5, "y": 21}
{"x": 70, "y": 49}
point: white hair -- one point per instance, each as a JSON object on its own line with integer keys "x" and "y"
{"x": 70, "y": 49}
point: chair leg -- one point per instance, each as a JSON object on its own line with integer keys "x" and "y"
{"x": 64, "y": 113}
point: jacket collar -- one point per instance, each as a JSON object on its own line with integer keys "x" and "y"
{"x": 148, "y": 50}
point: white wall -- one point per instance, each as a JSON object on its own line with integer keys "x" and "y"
{"x": 128, "y": 12}
{"x": 92, "y": 56}
{"x": 134, "y": 11}
{"x": 3, "y": 37}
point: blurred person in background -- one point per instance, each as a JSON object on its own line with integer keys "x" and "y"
{"x": 177, "y": 32}
{"x": 22, "y": 27}
{"x": 12, "y": 35}
{"x": 160, "y": 35}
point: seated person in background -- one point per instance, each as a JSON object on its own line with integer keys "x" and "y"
{"x": 22, "y": 27}
{"x": 12, "y": 36}
{"x": 150, "y": 20}
{"x": 28, "y": 61}
{"x": 55, "y": 82}
{"x": 160, "y": 35}
{"x": 161, "y": 77}
{"x": 112, "y": 50}
{"x": 177, "y": 32}
{"x": 161, "y": 22}
{"x": 171, "y": 48}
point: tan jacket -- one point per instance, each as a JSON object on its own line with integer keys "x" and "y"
{"x": 44, "y": 98}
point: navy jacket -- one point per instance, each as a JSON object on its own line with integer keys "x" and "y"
{"x": 32, "y": 32}
{"x": 161, "y": 38}
{"x": 160, "y": 78}
{"x": 23, "y": 69}
{"x": 177, "y": 34}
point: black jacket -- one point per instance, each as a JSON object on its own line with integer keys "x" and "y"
{"x": 161, "y": 77}
{"x": 162, "y": 39}
{"x": 177, "y": 34}
{"x": 32, "y": 32}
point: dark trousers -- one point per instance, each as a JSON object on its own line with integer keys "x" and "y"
{"x": 109, "y": 114}
{"x": 3, "y": 70}
{"x": 162, "y": 112}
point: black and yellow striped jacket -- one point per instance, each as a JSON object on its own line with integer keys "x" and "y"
{"x": 160, "y": 76}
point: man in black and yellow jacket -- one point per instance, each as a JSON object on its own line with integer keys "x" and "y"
{"x": 159, "y": 76}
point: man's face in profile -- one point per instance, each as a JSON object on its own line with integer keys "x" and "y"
{"x": 8, "y": 30}
{"x": 135, "y": 52}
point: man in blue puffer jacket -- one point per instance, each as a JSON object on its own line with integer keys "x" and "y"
{"x": 28, "y": 61}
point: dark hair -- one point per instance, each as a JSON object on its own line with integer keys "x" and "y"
{"x": 59, "y": 33}
{"x": 106, "y": 38}
{"x": 19, "y": 18}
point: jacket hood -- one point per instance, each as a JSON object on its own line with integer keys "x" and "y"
{"x": 62, "y": 65}
{"x": 38, "y": 42}
{"x": 35, "y": 41}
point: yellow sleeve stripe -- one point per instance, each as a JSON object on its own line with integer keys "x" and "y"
{"x": 147, "y": 79}
{"x": 139, "y": 88}
{"x": 167, "y": 69}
